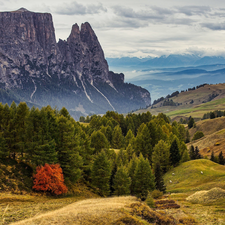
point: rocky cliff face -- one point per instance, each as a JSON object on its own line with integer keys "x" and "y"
{"x": 71, "y": 73}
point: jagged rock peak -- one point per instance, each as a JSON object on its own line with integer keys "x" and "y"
{"x": 21, "y": 10}
{"x": 75, "y": 32}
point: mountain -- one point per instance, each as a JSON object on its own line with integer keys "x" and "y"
{"x": 170, "y": 61}
{"x": 71, "y": 73}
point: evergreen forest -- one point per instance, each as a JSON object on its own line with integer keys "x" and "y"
{"x": 113, "y": 154}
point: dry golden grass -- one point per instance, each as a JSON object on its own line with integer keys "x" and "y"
{"x": 215, "y": 194}
{"x": 91, "y": 211}
{"x": 214, "y": 139}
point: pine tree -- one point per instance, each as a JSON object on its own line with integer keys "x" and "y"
{"x": 130, "y": 152}
{"x": 143, "y": 178}
{"x": 21, "y": 126}
{"x": 4, "y": 151}
{"x": 185, "y": 157}
{"x": 121, "y": 159}
{"x": 117, "y": 138}
{"x": 221, "y": 159}
{"x": 191, "y": 123}
{"x": 212, "y": 158}
{"x": 68, "y": 150}
{"x": 197, "y": 154}
{"x": 174, "y": 153}
{"x": 131, "y": 170}
{"x": 100, "y": 173}
{"x": 187, "y": 140}
{"x": 122, "y": 182}
{"x": 128, "y": 138}
{"x": 192, "y": 152}
{"x": 99, "y": 141}
{"x": 161, "y": 155}
{"x": 143, "y": 142}
{"x": 159, "y": 182}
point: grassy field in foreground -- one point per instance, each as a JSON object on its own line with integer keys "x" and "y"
{"x": 187, "y": 177}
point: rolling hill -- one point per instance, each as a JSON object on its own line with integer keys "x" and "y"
{"x": 193, "y": 103}
{"x": 188, "y": 177}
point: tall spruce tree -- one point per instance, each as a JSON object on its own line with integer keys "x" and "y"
{"x": 192, "y": 152}
{"x": 68, "y": 150}
{"x": 100, "y": 173}
{"x": 144, "y": 180}
{"x": 131, "y": 170}
{"x": 212, "y": 158}
{"x": 117, "y": 138}
{"x": 143, "y": 143}
{"x": 159, "y": 182}
{"x": 122, "y": 182}
{"x": 99, "y": 141}
{"x": 161, "y": 155}
{"x": 221, "y": 158}
{"x": 174, "y": 153}
{"x": 129, "y": 137}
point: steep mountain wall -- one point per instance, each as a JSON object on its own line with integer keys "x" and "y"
{"x": 71, "y": 73}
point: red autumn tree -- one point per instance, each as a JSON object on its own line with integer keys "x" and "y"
{"x": 49, "y": 178}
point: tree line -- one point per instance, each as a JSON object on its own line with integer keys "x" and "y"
{"x": 113, "y": 153}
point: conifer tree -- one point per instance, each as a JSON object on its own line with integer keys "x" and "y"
{"x": 174, "y": 153}
{"x": 21, "y": 126}
{"x": 221, "y": 159}
{"x": 130, "y": 152}
{"x": 122, "y": 182}
{"x": 143, "y": 143}
{"x": 99, "y": 141}
{"x": 161, "y": 155}
{"x": 131, "y": 170}
{"x": 117, "y": 138}
{"x": 100, "y": 173}
{"x": 185, "y": 156}
{"x": 192, "y": 152}
{"x": 68, "y": 150}
{"x": 121, "y": 159}
{"x": 159, "y": 182}
{"x": 143, "y": 178}
{"x": 212, "y": 158}
{"x": 128, "y": 138}
{"x": 197, "y": 154}
{"x": 4, "y": 151}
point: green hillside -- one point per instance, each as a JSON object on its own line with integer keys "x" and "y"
{"x": 188, "y": 177}
{"x": 193, "y": 103}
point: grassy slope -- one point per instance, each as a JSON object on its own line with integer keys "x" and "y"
{"x": 188, "y": 176}
{"x": 197, "y": 109}
{"x": 214, "y": 139}
{"x": 90, "y": 211}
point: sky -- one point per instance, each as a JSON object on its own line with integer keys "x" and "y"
{"x": 140, "y": 28}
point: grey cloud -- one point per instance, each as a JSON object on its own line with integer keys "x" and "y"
{"x": 194, "y": 10}
{"x": 152, "y": 14}
{"x": 214, "y": 26}
{"x": 75, "y": 8}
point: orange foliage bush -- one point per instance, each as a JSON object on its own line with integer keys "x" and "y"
{"x": 49, "y": 178}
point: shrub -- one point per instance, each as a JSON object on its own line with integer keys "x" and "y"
{"x": 156, "y": 194}
{"x": 197, "y": 135}
{"x": 49, "y": 178}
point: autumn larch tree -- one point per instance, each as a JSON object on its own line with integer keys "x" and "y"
{"x": 49, "y": 178}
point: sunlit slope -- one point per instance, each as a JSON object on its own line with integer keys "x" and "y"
{"x": 193, "y": 103}
{"x": 188, "y": 177}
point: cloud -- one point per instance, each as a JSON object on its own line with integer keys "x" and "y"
{"x": 152, "y": 14}
{"x": 75, "y": 8}
{"x": 194, "y": 10}
{"x": 214, "y": 26}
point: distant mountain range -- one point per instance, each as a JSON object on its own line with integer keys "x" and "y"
{"x": 74, "y": 73}
{"x": 166, "y": 61}
{"x": 166, "y": 74}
